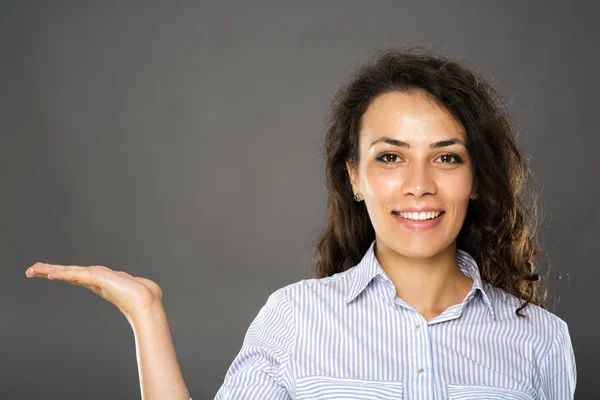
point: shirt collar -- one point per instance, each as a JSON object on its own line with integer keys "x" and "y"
{"x": 368, "y": 268}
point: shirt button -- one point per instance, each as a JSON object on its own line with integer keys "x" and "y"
{"x": 418, "y": 327}
{"x": 421, "y": 370}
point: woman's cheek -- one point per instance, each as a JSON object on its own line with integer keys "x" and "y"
{"x": 383, "y": 185}
{"x": 461, "y": 187}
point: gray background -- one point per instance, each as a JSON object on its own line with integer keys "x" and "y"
{"x": 181, "y": 141}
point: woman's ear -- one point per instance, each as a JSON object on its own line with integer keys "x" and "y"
{"x": 352, "y": 175}
{"x": 474, "y": 192}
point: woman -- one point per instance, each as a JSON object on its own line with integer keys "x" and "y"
{"x": 425, "y": 288}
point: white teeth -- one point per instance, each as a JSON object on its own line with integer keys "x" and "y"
{"x": 420, "y": 216}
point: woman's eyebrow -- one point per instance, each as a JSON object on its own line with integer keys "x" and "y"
{"x": 400, "y": 143}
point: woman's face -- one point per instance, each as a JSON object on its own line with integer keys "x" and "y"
{"x": 413, "y": 156}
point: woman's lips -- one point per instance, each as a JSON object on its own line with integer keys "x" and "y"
{"x": 419, "y": 225}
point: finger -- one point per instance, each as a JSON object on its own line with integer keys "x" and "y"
{"x": 40, "y": 269}
{"x": 71, "y": 275}
{"x": 93, "y": 276}
{"x": 37, "y": 268}
{"x": 44, "y": 268}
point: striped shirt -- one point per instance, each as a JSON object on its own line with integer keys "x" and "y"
{"x": 348, "y": 336}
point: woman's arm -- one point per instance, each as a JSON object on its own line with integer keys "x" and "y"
{"x": 160, "y": 375}
{"x": 558, "y": 370}
{"x": 259, "y": 369}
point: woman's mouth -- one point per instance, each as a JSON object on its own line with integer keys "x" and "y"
{"x": 419, "y": 216}
{"x": 419, "y": 220}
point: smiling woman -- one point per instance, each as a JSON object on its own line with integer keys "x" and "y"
{"x": 426, "y": 285}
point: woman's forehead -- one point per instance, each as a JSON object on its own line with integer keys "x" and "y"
{"x": 410, "y": 117}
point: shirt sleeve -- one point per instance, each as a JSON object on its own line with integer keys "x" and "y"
{"x": 558, "y": 370}
{"x": 258, "y": 370}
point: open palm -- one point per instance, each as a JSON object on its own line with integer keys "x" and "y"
{"x": 129, "y": 293}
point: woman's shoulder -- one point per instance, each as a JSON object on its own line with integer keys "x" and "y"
{"x": 538, "y": 320}
{"x": 538, "y": 333}
{"x": 330, "y": 289}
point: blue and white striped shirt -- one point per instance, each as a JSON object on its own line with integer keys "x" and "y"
{"x": 348, "y": 336}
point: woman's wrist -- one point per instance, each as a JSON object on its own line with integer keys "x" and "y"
{"x": 147, "y": 315}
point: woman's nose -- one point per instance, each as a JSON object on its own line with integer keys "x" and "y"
{"x": 418, "y": 181}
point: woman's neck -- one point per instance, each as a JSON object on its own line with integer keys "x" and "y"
{"x": 429, "y": 285}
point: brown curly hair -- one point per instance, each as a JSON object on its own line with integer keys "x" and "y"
{"x": 500, "y": 226}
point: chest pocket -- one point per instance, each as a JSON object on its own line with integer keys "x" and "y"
{"x": 466, "y": 392}
{"x": 325, "y": 388}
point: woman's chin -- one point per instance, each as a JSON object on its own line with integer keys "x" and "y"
{"x": 420, "y": 249}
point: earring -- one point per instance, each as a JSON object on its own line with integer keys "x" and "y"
{"x": 356, "y": 196}
{"x": 476, "y": 196}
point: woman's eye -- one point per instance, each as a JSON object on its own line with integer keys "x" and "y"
{"x": 448, "y": 157}
{"x": 388, "y": 158}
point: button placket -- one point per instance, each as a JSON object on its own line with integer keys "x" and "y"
{"x": 422, "y": 340}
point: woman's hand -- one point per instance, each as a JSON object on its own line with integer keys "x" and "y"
{"x": 132, "y": 295}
